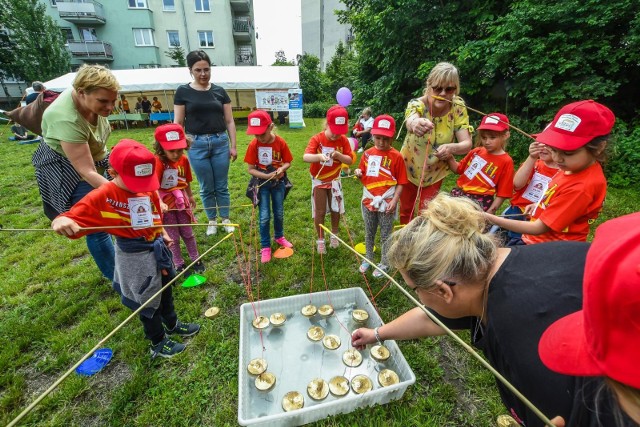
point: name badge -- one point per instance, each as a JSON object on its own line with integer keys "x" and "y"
{"x": 477, "y": 163}
{"x": 141, "y": 212}
{"x": 536, "y": 188}
{"x": 327, "y": 151}
{"x": 169, "y": 178}
{"x": 265, "y": 155}
{"x": 373, "y": 166}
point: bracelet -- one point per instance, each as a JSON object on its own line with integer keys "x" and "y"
{"x": 377, "y": 335}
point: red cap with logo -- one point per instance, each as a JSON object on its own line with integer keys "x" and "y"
{"x": 494, "y": 121}
{"x": 602, "y": 338}
{"x": 338, "y": 120}
{"x": 135, "y": 164}
{"x": 576, "y": 124}
{"x": 258, "y": 121}
{"x": 384, "y": 125}
{"x": 171, "y": 136}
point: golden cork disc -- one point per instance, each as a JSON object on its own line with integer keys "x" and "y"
{"x": 212, "y": 312}
{"x": 506, "y": 421}
{"x": 265, "y": 381}
{"x": 325, "y": 310}
{"x": 387, "y": 377}
{"x": 380, "y": 353}
{"x": 315, "y": 333}
{"x": 260, "y": 322}
{"x": 331, "y": 342}
{"x": 257, "y": 366}
{"x": 292, "y": 401}
{"x": 318, "y": 389}
{"x": 309, "y": 310}
{"x": 339, "y": 386}
{"x": 277, "y": 319}
{"x": 361, "y": 384}
{"x": 352, "y": 358}
{"x": 360, "y": 316}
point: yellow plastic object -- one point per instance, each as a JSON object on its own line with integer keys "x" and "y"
{"x": 283, "y": 252}
{"x": 361, "y": 248}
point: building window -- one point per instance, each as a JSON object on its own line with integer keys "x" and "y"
{"x": 149, "y": 65}
{"x": 202, "y": 6}
{"x": 143, "y": 36}
{"x": 88, "y": 34}
{"x": 206, "y": 38}
{"x": 53, "y": 3}
{"x": 67, "y": 34}
{"x": 174, "y": 38}
{"x": 169, "y": 5}
{"x": 137, "y": 4}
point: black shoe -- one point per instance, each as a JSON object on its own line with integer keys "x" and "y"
{"x": 198, "y": 267}
{"x": 180, "y": 269}
{"x": 184, "y": 329}
{"x": 167, "y": 348}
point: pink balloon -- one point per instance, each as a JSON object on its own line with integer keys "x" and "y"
{"x": 344, "y": 96}
{"x": 354, "y": 143}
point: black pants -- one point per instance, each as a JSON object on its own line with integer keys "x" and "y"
{"x": 164, "y": 315}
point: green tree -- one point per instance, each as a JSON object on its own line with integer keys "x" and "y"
{"x": 281, "y": 59}
{"x": 178, "y": 54}
{"x": 32, "y": 44}
{"x": 341, "y": 69}
{"x": 312, "y": 80}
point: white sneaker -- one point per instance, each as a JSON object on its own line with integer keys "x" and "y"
{"x": 212, "y": 228}
{"x": 360, "y": 150}
{"x": 228, "y": 228}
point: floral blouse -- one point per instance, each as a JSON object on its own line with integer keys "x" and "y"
{"x": 414, "y": 149}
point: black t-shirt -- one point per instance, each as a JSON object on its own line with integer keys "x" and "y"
{"x": 204, "y": 111}
{"x": 146, "y": 106}
{"x": 535, "y": 286}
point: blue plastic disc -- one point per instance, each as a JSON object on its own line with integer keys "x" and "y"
{"x": 95, "y": 363}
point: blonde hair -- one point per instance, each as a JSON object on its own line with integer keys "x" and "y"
{"x": 445, "y": 241}
{"x": 93, "y": 77}
{"x": 442, "y": 74}
{"x": 630, "y": 394}
{"x": 478, "y": 137}
{"x": 367, "y": 110}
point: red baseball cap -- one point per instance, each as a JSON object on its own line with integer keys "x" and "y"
{"x": 576, "y": 124}
{"x": 602, "y": 338}
{"x": 259, "y": 121}
{"x": 494, "y": 121}
{"x": 384, "y": 125}
{"x": 171, "y": 136}
{"x": 338, "y": 120}
{"x": 135, "y": 164}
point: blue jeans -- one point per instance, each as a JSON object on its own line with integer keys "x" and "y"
{"x": 100, "y": 244}
{"x": 209, "y": 158}
{"x": 275, "y": 195}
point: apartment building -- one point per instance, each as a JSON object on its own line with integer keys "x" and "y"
{"x": 321, "y": 30}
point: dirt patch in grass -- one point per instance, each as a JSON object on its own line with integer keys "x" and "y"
{"x": 36, "y": 382}
{"x": 455, "y": 371}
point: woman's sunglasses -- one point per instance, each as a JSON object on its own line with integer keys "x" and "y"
{"x": 448, "y": 90}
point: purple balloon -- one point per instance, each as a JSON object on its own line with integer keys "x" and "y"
{"x": 344, "y": 96}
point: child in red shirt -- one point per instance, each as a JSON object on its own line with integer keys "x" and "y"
{"x": 577, "y": 137}
{"x": 486, "y": 172}
{"x": 383, "y": 175}
{"x": 142, "y": 259}
{"x": 326, "y": 152}
{"x": 268, "y": 157}
{"x": 174, "y": 173}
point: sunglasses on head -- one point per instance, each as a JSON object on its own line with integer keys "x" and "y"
{"x": 448, "y": 89}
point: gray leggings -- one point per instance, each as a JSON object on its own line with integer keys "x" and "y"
{"x": 371, "y": 221}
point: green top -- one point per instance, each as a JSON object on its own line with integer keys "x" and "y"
{"x": 62, "y": 122}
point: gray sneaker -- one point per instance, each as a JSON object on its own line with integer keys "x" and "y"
{"x": 184, "y": 329}
{"x": 167, "y": 348}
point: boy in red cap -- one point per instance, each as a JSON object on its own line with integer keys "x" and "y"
{"x": 174, "y": 173}
{"x": 383, "y": 175}
{"x": 577, "y": 138}
{"x": 326, "y": 152}
{"x": 268, "y": 157}
{"x": 142, "y": 259}
{"x": 602, "y": 339}
{"x": 486, "y": 172}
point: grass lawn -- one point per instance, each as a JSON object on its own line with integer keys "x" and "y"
{"x": 55, "y": 306}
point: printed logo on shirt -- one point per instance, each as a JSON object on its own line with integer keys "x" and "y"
{"x": 568, "y": 122}
{"x": 144, "y": 169}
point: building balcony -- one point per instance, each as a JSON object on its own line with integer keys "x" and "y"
{"x": 245, "y": 57}
{"x": 242, "y": 30}
{"x": 81, "y": 11}
{"x": 90, "y": 50}
{"x": 240, "y": 6}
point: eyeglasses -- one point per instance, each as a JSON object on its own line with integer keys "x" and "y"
{"x": 448, "y": 90}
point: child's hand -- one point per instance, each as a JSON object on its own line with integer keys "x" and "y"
{"x": 391, "y": 206}
{"x": 167, "y": 240}
{"x": 278, "y": 174}
{"x": 534, "y": 149}
{"x": 163, "y": 206}
{"x": 528, "y": 211}
{"x": 65, "y": 226}
{"x": 323, "y": 158}
{"x": 358, "y": 173}
{"x": 192, "y": 202}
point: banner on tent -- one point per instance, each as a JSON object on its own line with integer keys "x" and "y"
{"x": 295, "y": 108}
{"x": 272, "y": 100}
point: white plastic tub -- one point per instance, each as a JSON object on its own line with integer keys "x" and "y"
{"x": 295, "y": 360}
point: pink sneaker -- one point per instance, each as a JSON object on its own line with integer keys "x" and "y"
{"x": 320, "y": 246}
{"x": 284, "y": 242}
{"x": 334, "y": 242}
{"x": 265, "y": 255}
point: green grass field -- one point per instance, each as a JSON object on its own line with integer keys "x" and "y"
{"x": 55, "y": 306}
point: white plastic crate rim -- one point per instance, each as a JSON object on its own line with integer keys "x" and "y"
{"x": 295, "y": 360}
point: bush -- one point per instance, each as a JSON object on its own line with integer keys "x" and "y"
{"x": 317, "y": 109}
{"x": 623, "y": 167}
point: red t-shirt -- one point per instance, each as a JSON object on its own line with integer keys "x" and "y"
{"x": 263, "y": 155}
{"x": 484, "y": 173}
{"x": 319, "y": 144}
{"x": 110, "y": 205}
{"x": 570, "y": 205}
{"x": 387, "y": 165}
{"x": 173, "y": 176}
{"x": 540, "y": 174}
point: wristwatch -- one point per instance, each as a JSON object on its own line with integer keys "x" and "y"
{"x": 377, "y": 335}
